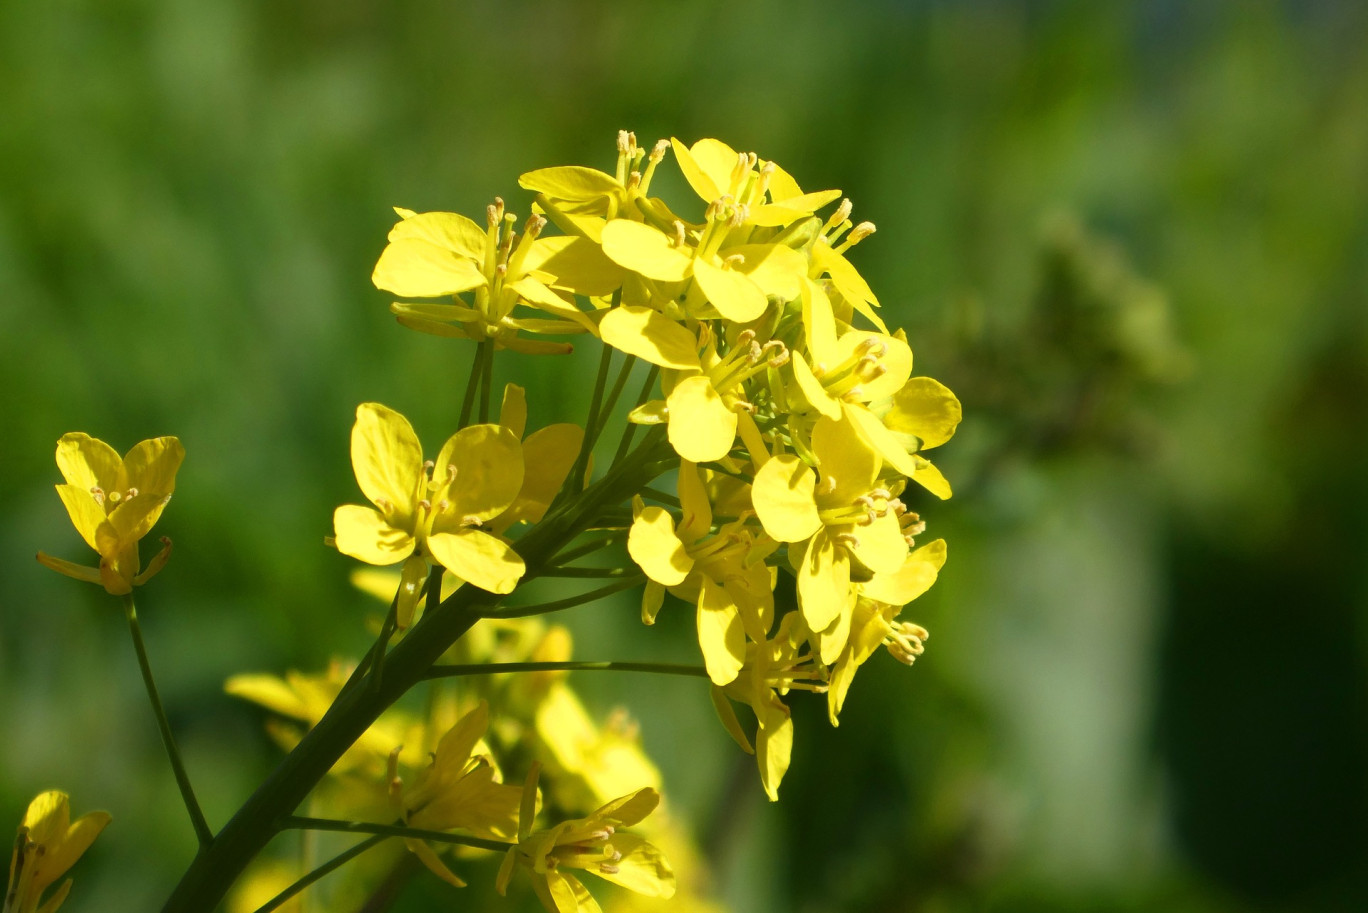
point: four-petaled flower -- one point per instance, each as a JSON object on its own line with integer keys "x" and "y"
{"x": 431, "y": 510}
{"x": 113, "y": 502}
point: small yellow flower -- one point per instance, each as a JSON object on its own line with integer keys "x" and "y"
{"x": 592, "y": 843}
{"x": 48, "y": 843}
{"x": 457, "y": 791}
{"x": 427, "y": 510}
{"x": 113, "y": 502}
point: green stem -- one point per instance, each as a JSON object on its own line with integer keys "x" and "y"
{"x": 486, "y": 379}
{"x": 575, "y": 481}
{"x": 570, "y": 602}
{"x": 588, "y": 548}
{"x": 607, "y": 411}
{"x": 299, "y": 822}
{"x": 192, "y": 807}
{"x": 326, "y": 868}
{"x": 449, "y": 670}
{"x": 657, "y": 495}
{"x": 472, "y": 384}
{"x": 630, "y": 431}
{"x": 589, "y": 572}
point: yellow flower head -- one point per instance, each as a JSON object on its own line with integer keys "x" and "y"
{"x": 48, "y": 843}
{"x": 113, "y": 502}
{"x": 431, "y": 510}
{"x": 592, "y": 843}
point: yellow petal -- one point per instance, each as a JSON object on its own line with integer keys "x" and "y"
{"x": 642, "y": 868}
{"x": 484, "y": 464}
{"x": 848, "y": 466}
{"x": 872, "y": 431}
{"x": 774, "y": 747}
{"x": 88, "y": 462}
{"x": 576, "y": 264}
{"x": 548, "y": 456}
{"x": 572, "y": 183}
{"x": 448, "y": 230}
{"x": 364, "y": 534}
{"x": 783, "y": 497}
{"x": 727, "y": 715}
{"x": 479, "y": 559}
{"x": 627, "y": 810}
{"x": 513, "y": 411}
{"x": 70, "y": 569}
{"x": 645, "y": 250}
{"x": 833, "y": 640}
{"x": 650, "y": 336}
{"x": 732, "y": 292}
{"x": 656, "y": 549}
{"x": 909, "y": 581}
{"x": 270, "y": 692}
{"x": 881, "y": 547}
{"x": 718, "y": 161}
{"x": 568, "y": 894}
{"x": 86, "y": 515}
{"x": 151, "y": 465}
{"x": 721, "y": 636}
{"x": 387, "y": 460}
{"x": 926, "y": 409}
{"x": 414, "y": 268}
{"x": 812, "y": 388}
{"x": 134, "y": 517}
{"x": 702, "y": 429}
{"x": 896, "y": 361}
{"x": 776, "y": 269}
{"x": 820, "y": 323}
{"x": 844, "y": 276}
{"x": 701, "y": 182}
{"x": 930, "y": 478}
{"x": 693, "y": 499}
{"x": 823, "y": 582}
{"x": 428, "y": 856}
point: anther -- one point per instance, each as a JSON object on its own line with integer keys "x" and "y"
{"x": 849, "y": 540}
{"x": 634, "y": 180}
{"x": 734, "y": 261}
{"x": 658, "y": 150}
{"x": 98, "y": 494}
{"x": 869, "y": 344}
{"x": 444, "y": 505}
{"x": 678, "y": 234}
{"x": 869, "y": 518}
{"x": 608, "y": 868}
{"x": 535, "y": 224}
{"x": 840, "y": 215}
{"x": 625, "y": 142}
{"x": 859, "y": 233}
{"x": 425, "y": 505}
{"x": 739, "y": 216}
{"x": 781, "y": 356}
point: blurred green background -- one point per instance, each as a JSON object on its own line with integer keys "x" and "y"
{"x": 1131, "y": 236}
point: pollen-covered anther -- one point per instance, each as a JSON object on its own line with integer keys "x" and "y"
{"x": 849, "y": 540}
{"x": 734, "y": 261}
{"x": 608, "y": 868}
{"x": 444, "y": 505}
{"x": 840, "y": 215}
{"x": 98, "y": 494}
{"x": 501, "y": 270}
{"x": 739, "y": 216}
{"x": 626, "y": 142}
{"x": 781, "y": 353}
{"x": 860, "y": 232}
{"x": 425, "y": 505}
{"x": 659, "y": 149}
{"x": 854, "y": 395}
{"x": 469, "y": 521}
{"x": 535, "y": 224}
{"x": 678, "y": 240}
{"x": 742, "y": 406}
{"x": 872, "y": 345}
{"x": 494, "y": 212}
{"x": 634, "y": 180}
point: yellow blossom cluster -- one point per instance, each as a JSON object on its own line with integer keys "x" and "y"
{"x": 792, "y": 410}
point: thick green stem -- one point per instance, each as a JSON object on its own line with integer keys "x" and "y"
{"x": 472, "y": 384}
{"x": 192, "y": 807}
{"x": 218, "y": 864}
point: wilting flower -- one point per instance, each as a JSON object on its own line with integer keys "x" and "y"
{"x": 48, "y": 843}
{"x": 113, "y": 502}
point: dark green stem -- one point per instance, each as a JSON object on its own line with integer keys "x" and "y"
{"x": 589, "y": 572}
{"x": 630, "y": 431}
{"x": 588, "y": 548}
{"x": 472, "y": 384}
{"x": 300, "y": 822}
{"x": 486, "y": 379}
{"x": 326, "y": 868}
{"x": 192, "y": 807}
{"x": 606, "y": 412}
{"x": 449, "y": 670}
{"x": 570, "y": 602}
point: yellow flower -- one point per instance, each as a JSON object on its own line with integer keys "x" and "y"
{"x": 457, "y": 791}
{"x": 723, "y": 574}
{"x": 113, "y": 502}
{"x": 873, "y": 624}
{"x": 435, "y": 254}
{"x": 848, "y": 527}
{"x": 427, "y": 510}
{"x": 592, "y": 843}
{"x": 591, "y": 763}
{"x": 772, "y": 668}
{"x": 48, "y": 843}
{"x": 771, "y": 196}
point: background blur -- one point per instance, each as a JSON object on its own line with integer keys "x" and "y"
{"x": 1131, "y": 237}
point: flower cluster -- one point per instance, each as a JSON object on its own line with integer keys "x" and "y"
{"x": 792, "y": 410}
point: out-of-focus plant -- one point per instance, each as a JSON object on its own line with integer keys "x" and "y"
{"x": 775, "y": 428}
